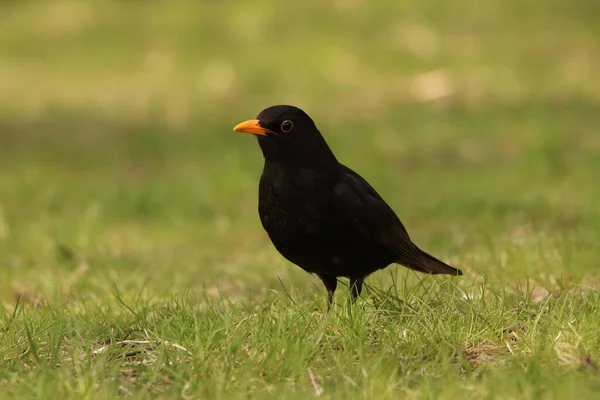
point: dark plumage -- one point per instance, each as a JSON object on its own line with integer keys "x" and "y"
{"x": 321, "y": 215}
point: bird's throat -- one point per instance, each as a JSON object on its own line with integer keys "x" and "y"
{"x": 312, "y": 152}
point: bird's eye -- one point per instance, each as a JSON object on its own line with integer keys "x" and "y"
{"x": 286, "y": 126}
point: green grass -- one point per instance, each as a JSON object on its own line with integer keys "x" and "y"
{"x": 132, "y": 260}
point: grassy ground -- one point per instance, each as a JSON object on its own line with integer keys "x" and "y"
{"x": 132, "y": 261}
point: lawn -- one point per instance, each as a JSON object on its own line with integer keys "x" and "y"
{"x": 132, "y": 260}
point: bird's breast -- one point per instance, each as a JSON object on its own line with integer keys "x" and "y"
{"x": 293, "y": 200}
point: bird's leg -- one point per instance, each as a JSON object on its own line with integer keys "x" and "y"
{"x": 330, "y": 283}
{"x": 355, "y": 287}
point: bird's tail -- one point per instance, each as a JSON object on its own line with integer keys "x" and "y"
{"x": 431, "y": 265}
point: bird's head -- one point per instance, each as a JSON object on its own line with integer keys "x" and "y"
{"x": 287, "y": 134}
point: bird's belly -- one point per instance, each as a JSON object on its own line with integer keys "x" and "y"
{"x": 309, "y": 235}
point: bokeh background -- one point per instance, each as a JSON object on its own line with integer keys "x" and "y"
{"x": 477, "y": 121}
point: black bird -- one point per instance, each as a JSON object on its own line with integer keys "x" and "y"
{"x": 321, "y": 215}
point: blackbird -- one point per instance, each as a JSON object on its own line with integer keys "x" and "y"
{"x": 321, "y": 215}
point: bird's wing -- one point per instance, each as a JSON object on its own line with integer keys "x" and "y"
{"x": 361, "y": 207}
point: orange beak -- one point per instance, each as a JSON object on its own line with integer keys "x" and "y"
{"x": 251, "y": 126}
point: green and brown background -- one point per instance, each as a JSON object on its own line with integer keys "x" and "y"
{"x": 132, "y": 260}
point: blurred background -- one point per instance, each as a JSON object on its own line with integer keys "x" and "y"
{"x": 477, "y": 121}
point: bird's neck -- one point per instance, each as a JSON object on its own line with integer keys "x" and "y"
{"x": 308, "y": 153}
